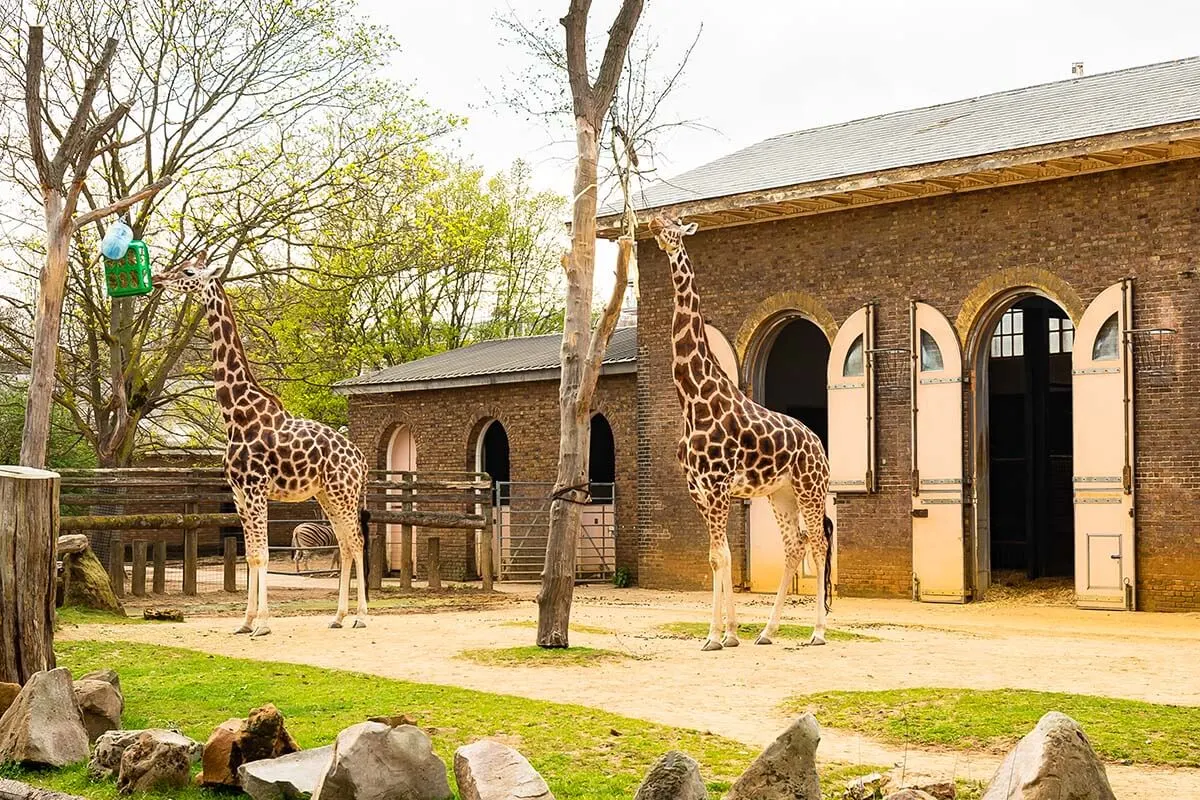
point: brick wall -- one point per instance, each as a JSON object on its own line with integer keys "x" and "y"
{"x": 1089, "y": 232}
{"x": 446, "y": 423}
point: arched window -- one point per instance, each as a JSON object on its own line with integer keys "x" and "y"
{"x": 931, "y": 354}
{"x": 1106, "y": 347}
{"x": 853, "y": 366}
{"x": 602, "y": 460}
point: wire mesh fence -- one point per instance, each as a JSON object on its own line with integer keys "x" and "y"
{"x": 523, "y": 526}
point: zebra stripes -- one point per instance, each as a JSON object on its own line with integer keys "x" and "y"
{"x": 313, "y": 535}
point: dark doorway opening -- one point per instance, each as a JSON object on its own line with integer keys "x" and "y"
{"x": 493, "y": 453}
{"x": 794, "y": 376}
{"x": 602, "y": 460}
{"x": 1032, "y": 514}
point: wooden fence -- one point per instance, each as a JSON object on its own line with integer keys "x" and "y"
{"x": 183, "y": 521}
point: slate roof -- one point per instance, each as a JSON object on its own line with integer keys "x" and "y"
{"x": 1049, "y": 113}
{"x": 497, "y": 361}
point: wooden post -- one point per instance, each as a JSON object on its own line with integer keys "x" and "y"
{"x": 160, "y": 567}
{"x": 231, "y": 563}
{"x": 116, "y": 564}
{"x": 28, "y": 563}
{"x": 139, "y": 567}
{"x": 435, "y": 563}
{"x": 191, "y": 554}
{"x": 485, "y": 545}
{"x": 406, "y": 544}
{"x": 378, "y": 545}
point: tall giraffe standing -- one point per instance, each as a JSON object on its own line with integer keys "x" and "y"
{"x": 733, "y": 447}
{"x": 272, "y": 455}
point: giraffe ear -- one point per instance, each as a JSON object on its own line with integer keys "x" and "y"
{"x": 690, "y": 228}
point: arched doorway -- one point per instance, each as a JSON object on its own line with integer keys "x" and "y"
{"x": 596, "y": 553}
{"x": 788, "y": 373}
{"x": 1024, "y": 459}
{"x": 492, "y": 457}
{"x": 401, "y": 457}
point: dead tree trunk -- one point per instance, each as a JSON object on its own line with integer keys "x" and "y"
{"x": 582, "y": 348}
{"x": 28, "y": 550}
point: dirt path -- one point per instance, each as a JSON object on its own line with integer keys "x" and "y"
{"x": 738, "y": 692}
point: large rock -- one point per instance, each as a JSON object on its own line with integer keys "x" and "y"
{"x": 675, "y": 777}
{"x": 1054, "y": 761}
{"x": 106, "y": 758}
{"x": 43, "y": 725}
{"x": 106, "y": 675}
{"x": 8, "y": 693}
{"x": 290, "y": 777}
{"x": 910, "y": 794}
{"x": 490, "y": 770}
{"x": 786, "y": 770}
{"x": 236, "y": 742}
{"x": 153, "y": 763}
{"x": 88, "y": 585}
{"x": 373, "y": 761}
{"x": 101, "y": 705}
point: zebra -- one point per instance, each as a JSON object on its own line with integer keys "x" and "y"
{"x": 308, "y": 535}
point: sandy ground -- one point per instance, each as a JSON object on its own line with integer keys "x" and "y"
{"x": 738, "y": 692}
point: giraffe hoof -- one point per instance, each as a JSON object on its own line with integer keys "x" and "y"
{"x": 763, "y": 639}
{"x": 358, "y": 623}
{"x": 335, "y": 624}
{"x": 260, "y": 631}
{"x": 815, "y": 642}
{"x": 730, "y": 640}
{"x": 243, "y": 629}
{"x": 710, "y": 645}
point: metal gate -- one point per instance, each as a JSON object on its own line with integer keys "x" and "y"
{"x": 522, "y": 523}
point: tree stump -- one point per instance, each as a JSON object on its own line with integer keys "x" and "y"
{"x": 28, "y": 566}
{"x": 87, "y": 583}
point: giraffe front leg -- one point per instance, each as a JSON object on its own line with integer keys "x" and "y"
{"x": 262, "y": 622}
{"x": 730, "y": 639}
{"x": 713, "y": 640}
{"x": 343, "y": 588}
{"x": 360, "y": 615}
{"x": 251, "y": 603}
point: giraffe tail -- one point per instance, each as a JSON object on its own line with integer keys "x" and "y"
{"x": 828, "y": 565}
{"x": 364, "y": 521}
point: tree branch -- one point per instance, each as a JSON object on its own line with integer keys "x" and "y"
{"x": 122, "y": 204}
{"x": 614, "y": 55}
{"x": 74, "y": 139}
{"x": 577, "y": 67}
{"x": 34, "y": 61}
{"x": 608, "y": 320}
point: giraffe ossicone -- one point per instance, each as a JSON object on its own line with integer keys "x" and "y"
{"x": 733, "y": 447}
{"x": 273, "y": 455}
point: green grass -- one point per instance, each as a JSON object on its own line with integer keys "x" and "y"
{"x": 534, "y": 656}
{"x": 968, "y": 719}
{"x": 575, "y": 628}
{"x": 71, "y": 615}
{"x": 751, "y": 630}
{"x": 573, "y": 747}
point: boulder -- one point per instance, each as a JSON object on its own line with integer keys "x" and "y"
{"x": 946, "y": 790}
{"x": 910, "y": 794}
{"x": 866, "y": 787}
{"x": 43, "y": 725}
{"x": 154, "y": 763}
{"x": 373, "y": 761}
{"x": 101, "y": 705}
{"x": 8, "y": 693}
{"x": 106, "y": 675}
{"x": 237, "y": 741}
{"x": 1055, "y": 760}
{"x": 786, "y": 770}
{"x": 290, "y": 777}
{"x": 488, "y": 770}
{"x": 674, "y": 777}
{"x": 106, "y": 758}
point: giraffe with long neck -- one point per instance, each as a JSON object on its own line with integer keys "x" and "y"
{"x": 272, "y": 455}
{"x": 733, "y": 447}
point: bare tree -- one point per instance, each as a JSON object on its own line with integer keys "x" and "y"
{"x": 83, "y": 139}
{"x": 582, "y": 347}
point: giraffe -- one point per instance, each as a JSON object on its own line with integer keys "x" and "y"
{"x": 733, "y": 447}
{"x": 272, "y": 455}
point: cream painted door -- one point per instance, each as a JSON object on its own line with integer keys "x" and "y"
{"x": 766, "y": 551}
{"x": 851, "y": 388}
{"x": 939, "y": 553}
{"x": 1102, "y": 392}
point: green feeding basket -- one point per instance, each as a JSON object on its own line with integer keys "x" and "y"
{"x": 129, "y": 275}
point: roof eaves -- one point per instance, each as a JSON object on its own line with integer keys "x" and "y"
{"x": 621, "y": 367}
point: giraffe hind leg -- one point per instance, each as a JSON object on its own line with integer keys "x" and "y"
{"x": 814, "y": 521}
{"x": 785, "y": 509}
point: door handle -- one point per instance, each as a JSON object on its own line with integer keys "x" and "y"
{"x": 1115, "y": 556}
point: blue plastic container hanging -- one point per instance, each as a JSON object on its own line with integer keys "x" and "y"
{"x": 116, "y": 241}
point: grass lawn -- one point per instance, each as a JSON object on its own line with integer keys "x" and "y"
{"x": 575, "y": 628}
{"x": 582, "y": 752}
{"x": 749, "y": 631}
{"x": 966, "y": 719}
{"x": 71, "y": 615}
{"x": 534, "y": 656}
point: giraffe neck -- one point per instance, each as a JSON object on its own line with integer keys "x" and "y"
{"x": 232, "y": 376}
{"x": 693, "y": 357}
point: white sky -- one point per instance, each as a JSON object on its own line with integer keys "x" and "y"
{"x": 764, "y": 67}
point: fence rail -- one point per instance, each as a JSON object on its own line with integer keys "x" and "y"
{"x": 523, "y": 525}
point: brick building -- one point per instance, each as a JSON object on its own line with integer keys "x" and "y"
{"x": 987, "y": 309}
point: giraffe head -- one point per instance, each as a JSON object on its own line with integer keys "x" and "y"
{"x": 190, "y": 276}
{"x": 669, "y": 233}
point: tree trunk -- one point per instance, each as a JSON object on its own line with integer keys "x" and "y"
{"x": 558, "y": 575}
{"x": 28, "y": 546}
{"x": 44, "y": 357}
